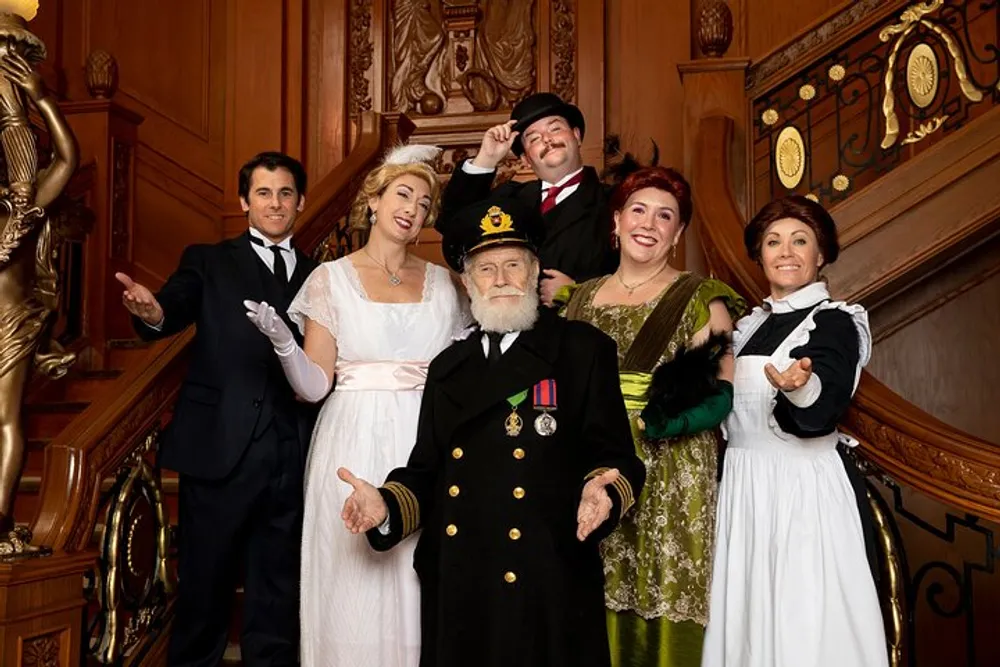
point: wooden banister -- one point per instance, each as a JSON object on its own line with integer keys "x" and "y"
{"x": 907, "y": 443}
{"x": 99, "y": 441}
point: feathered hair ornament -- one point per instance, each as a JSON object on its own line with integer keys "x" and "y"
{"x": 410, "y": 153}
{"x": 620, "y": 165}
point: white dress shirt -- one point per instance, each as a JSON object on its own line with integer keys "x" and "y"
{"x": 505, "y": 342}
{"x": 267, "y": 255}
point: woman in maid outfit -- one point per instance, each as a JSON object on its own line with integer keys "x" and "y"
{"x": 791, "y": 584}
{"x": 374, "y": 319}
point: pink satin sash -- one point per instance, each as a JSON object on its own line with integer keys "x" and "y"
{"x": 381, "y": 375}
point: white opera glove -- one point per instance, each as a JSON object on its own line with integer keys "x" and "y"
{"x": 304, "y": 375}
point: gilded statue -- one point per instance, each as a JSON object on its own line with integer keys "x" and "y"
{"x": 28, "y": 293}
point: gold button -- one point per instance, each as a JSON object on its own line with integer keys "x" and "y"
{"x": 454, "y": 491}
{"x": 510, "y": 577}
{"x": 452, "y": 529}
{"x": 518, "y": 453}
{"x": 457, "y": 453}
{"x": 518, "y": 492}
{"x": 514, "y": 534}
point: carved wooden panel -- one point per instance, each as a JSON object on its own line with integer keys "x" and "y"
{"x": 457, "y": 67}
{"x": 45, "y": 650}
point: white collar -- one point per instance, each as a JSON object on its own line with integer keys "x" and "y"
{"x": 804, "y": 297}
{"x": 546, "y": 185}
{"x": 285, "y": 244}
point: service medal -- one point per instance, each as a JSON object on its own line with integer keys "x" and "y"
{"x": 545, "y": 424}
{"x": 513, "y": 424}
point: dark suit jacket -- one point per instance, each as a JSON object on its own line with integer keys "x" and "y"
{"x": 469, "y": 484}
{"x": 577, "y": 231}
{"x": 235, "y": 384}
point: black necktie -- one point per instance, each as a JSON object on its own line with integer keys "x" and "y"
{"x": 493, "y": 356}
{"x": 280, "y": 270}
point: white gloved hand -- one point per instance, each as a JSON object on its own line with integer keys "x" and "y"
{"x": 267, "y": 320}
{"x": 304, "y": 375}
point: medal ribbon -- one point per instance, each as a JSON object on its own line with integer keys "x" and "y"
{"x": 545, "y": 395}
{"x": 517, "y": 399}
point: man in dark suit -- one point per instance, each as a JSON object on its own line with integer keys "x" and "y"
{"x": 545, "y": 132}
{"x": 523, "y": 462}
{"x": 238, "y": 438}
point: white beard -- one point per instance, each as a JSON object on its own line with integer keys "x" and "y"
{"x": 505, "y": 317}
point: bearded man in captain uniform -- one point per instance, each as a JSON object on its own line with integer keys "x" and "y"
{"x": 523, "y": 463}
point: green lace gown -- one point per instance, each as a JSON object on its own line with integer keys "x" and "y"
{"x": 657, "y": 563}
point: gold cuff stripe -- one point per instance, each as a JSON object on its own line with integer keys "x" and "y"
{"x": 409, "y": 508}
{"x": 595, "y": 472}
{"x": 624, "y": 489}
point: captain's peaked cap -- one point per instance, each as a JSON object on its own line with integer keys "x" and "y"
{"x": 491, "y": 223}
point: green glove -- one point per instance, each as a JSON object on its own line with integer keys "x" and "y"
{"x": 707, "y": 414}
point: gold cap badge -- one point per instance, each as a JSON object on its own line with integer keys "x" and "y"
{"x": 496, "y": 221}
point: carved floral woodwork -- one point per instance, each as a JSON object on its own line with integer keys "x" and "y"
{"x": 460, "y": 56}
{"x": 101, "y": 70}
{"x": 42, "y": 650}
{"x": 458, "y": 67}
{"x": 715, "y": 27}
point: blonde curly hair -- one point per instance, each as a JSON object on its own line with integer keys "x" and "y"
{"x": 380, "y": 178}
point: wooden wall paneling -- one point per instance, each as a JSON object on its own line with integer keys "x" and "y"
{"x": 47, "y": 25}
{"x": 255, "y": 82}
{"x": 326, "y": 96}
{"x": 174, "y": 214}
{"x": 175, "y": 78}
{"x": 932, "y": 339}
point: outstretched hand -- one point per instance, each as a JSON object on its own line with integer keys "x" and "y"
{"x": 793, "y": 377}
{"x": 140, "y": 301}
{"x": 364, "y": 509}
{"x": 267, "y": 320}
{"x": 595, "y": 504}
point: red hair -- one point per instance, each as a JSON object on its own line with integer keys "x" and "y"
{"x": 661, "y": 178}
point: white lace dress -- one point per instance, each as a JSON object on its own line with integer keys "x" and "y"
{"x": 791, "y": 585}
{"x": 361, "y": 608}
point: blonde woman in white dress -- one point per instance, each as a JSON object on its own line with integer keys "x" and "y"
{"x": 791, "y": 584}
{"x": 373, "y": 320}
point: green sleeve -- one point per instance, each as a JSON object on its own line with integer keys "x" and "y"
{"x": 706, "y": 415}
{"x": 709, "y": 291}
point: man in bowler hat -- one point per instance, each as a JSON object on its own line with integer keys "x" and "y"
{"x": 523, "y": 463}
{"x": 545, "y": 132}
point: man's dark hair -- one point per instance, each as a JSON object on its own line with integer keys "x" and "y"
{"x": 272, "y": 160}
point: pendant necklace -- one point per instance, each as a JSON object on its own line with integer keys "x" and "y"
{"x": 634, "y": 287}
{"x": 394, "y": 279}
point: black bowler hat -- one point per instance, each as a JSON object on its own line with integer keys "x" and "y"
{"x": 491, "y": 223}
{"x": 542, "y": 105}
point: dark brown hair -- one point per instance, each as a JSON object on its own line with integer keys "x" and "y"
{"x": 799, "y": 208}
{"x": 661, "y": 178}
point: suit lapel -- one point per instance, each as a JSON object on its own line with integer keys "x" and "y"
{"x": 247, "y": 261}
{"x": 474, "y": 387}
{"x": 578, "y": 206}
